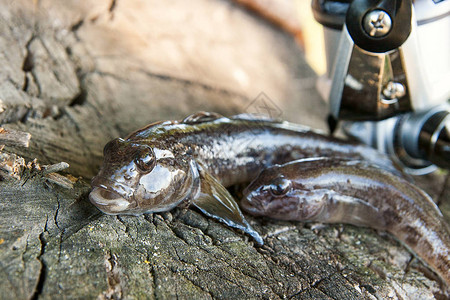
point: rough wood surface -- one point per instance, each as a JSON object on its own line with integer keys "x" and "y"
{"x": 76, "y": 74}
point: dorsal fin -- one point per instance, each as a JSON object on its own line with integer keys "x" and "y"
{"x": 200, "y": 117}
{"x": 254, "y": 117}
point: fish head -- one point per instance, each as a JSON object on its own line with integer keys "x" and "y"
{"x": 138, "y": 178}
{"x": 274, "y": 194}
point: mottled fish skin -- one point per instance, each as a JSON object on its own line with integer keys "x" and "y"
{"x": 158, "y": 167}
{"x": 331, "y": 190}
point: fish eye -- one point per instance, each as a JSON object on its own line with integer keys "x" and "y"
{"x": 280, "y": 186}
{"x": 145, "y": 161}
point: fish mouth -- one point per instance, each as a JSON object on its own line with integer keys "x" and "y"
{"x": 253, "y": 203}
{"x": 108, "y": 202}
{"x": 247, "y": 205}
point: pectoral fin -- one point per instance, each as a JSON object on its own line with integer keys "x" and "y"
{"x": 215, "y": 201}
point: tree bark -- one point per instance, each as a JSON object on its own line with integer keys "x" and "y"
{"x": 77, "y": 74}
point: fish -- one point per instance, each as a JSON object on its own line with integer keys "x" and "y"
{"x": 330, "y": 190}
{"x": 191, "y": 162}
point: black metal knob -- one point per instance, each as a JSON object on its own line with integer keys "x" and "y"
{"x": 379, "y": 26}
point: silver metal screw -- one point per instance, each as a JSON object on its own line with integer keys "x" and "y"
{"x": 393, "y": 91}
{"x": 377, "y": 23}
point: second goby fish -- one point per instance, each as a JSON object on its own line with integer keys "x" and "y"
{"x": 330, "y": 190}
{"x": 192, "y": 161}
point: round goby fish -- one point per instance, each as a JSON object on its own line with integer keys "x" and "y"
{"x": 331, "y": 190}
{"x": 191, "y": 161}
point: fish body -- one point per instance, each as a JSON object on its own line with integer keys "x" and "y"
{"x": 331, "y": 190}
{"x": 168, "y": 163}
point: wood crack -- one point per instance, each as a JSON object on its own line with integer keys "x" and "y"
{"x": 28, "y": 63}
{"x": 43, "y": 271}
{"x": 114, "y": 279}
{"x": 153, "y": 275}
{"x": 112, "y": 6}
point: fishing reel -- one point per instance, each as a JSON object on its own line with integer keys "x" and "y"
{"x": 388, "y": 76}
